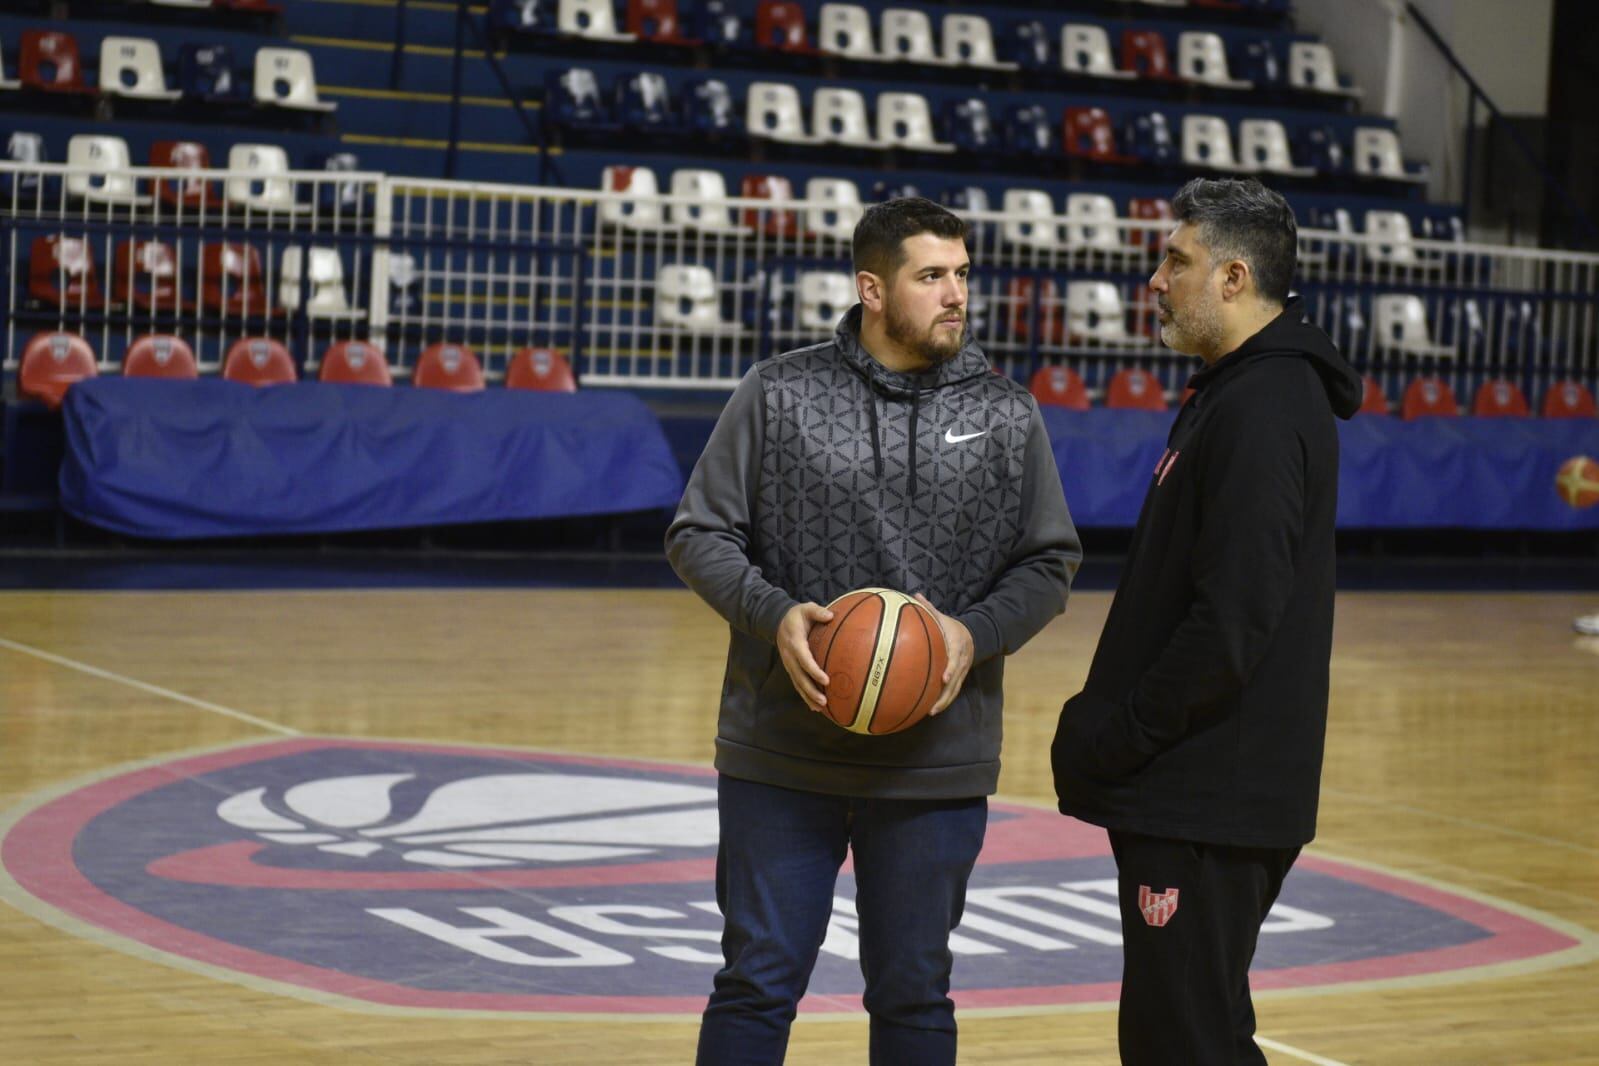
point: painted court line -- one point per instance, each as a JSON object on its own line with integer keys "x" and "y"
{"x": 142, "y": 686}
{"x": 1288, "y": 1049}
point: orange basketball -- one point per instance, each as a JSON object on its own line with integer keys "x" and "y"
{"x": 1578, "y": 482}
{"x": 884, "y": 656}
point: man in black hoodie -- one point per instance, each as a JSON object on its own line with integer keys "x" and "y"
{"x": 1197, "y": 739}
{"x": 890, "y": 456}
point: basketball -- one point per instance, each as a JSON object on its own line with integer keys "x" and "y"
{"x": 884, "y": 657}
{"x": 1578, "y": 482}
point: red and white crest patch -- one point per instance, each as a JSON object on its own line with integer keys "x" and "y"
{"x": 1157, "y": 907}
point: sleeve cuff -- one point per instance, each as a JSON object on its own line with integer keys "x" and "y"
{"x": 986, "y": 641}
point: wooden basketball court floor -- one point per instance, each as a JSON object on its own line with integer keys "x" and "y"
{"x": 1463, "y": 749}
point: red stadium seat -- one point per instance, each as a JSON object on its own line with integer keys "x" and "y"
{"x": 1569, "y": 399}
{"x": 191, "y": 192}
{"x": 1373, "y": 401}
{"x": 259, "y": 361}
{"x": 50, "y": 63}
{"x": 1151, "y": 209}
{"x": 656, "y": 21}
{"x": 1135, "y": 390}
{"x": 780, "y": 25}
{"x": 1429, "y": 396}
{"x": 1087, "y": 133}
{"x": 541, "y": 370}
{"x": 454, "y": 367}
{"x": 1051, "y": 310}
{"x": 232, "y": 280}
{"x": 355, "y": 363}
{"x": 144, "y": 274}
{"x": 769, "y": 187}
{"x": 52, "y": 363}
{"x": 160, "y": 355}
{"x": 1059, "y": 386}
{"x": 1500, "y": 398}
{"x": 1144, "y": 53}
{"x": 61, "y": 272}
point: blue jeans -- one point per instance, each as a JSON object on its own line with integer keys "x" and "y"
{"x": 776, "y": 866}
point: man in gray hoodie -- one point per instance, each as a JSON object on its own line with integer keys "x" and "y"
{"x": 887, "y": 456}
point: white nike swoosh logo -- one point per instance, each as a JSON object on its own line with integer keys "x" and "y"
{"x": 951, "y": 438}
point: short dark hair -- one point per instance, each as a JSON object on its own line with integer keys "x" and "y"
{"x": 1242, "y": 219}
{"x": 879, "y": 242}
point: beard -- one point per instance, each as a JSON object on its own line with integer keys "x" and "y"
{"x": 1194, "y": 330}
{"x": 932, "y": 343}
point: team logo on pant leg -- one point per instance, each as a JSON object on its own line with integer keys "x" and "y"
{"x": 1157, "y": 907}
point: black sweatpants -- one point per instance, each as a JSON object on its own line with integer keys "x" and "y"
{"x": 1191, "y": 914}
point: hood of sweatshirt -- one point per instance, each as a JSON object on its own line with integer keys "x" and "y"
{"x": 1291, "y": 335}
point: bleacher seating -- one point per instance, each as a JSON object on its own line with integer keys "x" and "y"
{"x": 52, "y": 363}
{"x": 160, "y": 355}
{"x": 259, "y": 361}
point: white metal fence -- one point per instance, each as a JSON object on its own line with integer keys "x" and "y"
{"x": 687, "y": 289}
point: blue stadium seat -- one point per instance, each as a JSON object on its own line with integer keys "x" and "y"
{"x": 965, "y": 198}
{"x": 968, "y": 127}
{"x": 1028, "y": 45}
{"x": 523, "y": 16}
{"x": 644, "y": 104}
{"x": 1258, "y": 62}
{"x": 1029, "y": 130}
{"x": 572, "y": 101}
{"x": 342, "y": 196}
{"x": 25, "y": 147}
{"x": 206, "y": 74}
{"x": 1147, "y": 138}
{"x": 716, "y": 23}
{"x": 1319, "y": 147}
{"x": 708, "y": 108}
{"x": 884, "y": 191}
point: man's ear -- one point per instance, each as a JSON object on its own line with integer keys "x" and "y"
{"x": 1236, "y": 279}
{"x": 869, "y": 287}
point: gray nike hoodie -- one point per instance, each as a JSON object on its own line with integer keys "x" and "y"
{"x": 828, "y": 472}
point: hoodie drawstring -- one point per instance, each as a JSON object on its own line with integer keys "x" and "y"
{"x": 877, "y": 452}
{"x": 910, "y": 477}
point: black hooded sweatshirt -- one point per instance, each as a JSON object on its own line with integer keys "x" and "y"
{"x": 1205, "y": 709}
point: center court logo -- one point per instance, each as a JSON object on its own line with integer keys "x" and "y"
{"x": 450, "y": 878}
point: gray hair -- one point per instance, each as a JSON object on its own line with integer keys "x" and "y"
{"x": 1242, "y": 219}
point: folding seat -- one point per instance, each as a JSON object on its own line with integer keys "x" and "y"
{"x": 52, "y": 363}
{"x": 592, "y": 19}
{"x": 1311, "y": 67}
{"x": 1401, "y": 326}
{"x": 969, "y": 42}
{"x": 1320, "y": 147}
{"x": 61, "y": 272}
{"x": 1030, "y": 220}
{"x": 1263, "y": 145}
{"x": 639, "y": 206}
{"x": 837, "y": 207}
{"x": 572, "y": 101}
{"x": 1087, "y": 133}
{"x": 904, "y": 120}
{"x": 27, "y": 148}
{"x": 1202, "y": 58}
{"x": 144, "y": 275}
{"x": 780, "y": 26}
{"x": 131, "y": 66}
{"x": 257, "y": 182}
{"x": 1150, "y": 209}
{"x": 1134, "y": 389}
{"x": 773, "y": 221}
{"x": 838, "y": 116}
{"x": 451, "y": 367}
{"x": 314, "y": 279}
{"x": 354, "y": 363}
{"x": 405, "y": 285}
{"x": 1092, "y": 224}
{"x": 968, "y": 126}
{"x": 846, "y": 30}
{"x": 1144, "y": 53}
{"x": 343, "y": 196}
{"x": 1035, "y": 301}
{"x": 233, "y": 281}
{"x": 1258, "y": 63}
{"x": 1059, "y": 386}
{"x": 1147, "y": 138}
{"x": 5, "y": 82}
{"x": 104, "y": 178}
{"x": 643, "y": 103}
{"x": 656, "y": 22}
{"x": 1391, "y": 241}
{"x": 687, "y": 297}
{"x": 907, "y": 36}
{"x": 772, "y": 110}
{"x": 1207, "y": 142}
{"x": 206, "y": 74}
{"x": 704, "y": 205}
{"x": 259, "y": 361}
{"x": 965, "y": 198}
{"x": 522, "y": 16}
{"x": 1500, "y": 398}
{"x": 716, "y": 23}
{"x": 1444, "y": 225}
{"x": 1428, "y": 397}
{"x": 1569, "y": 399}
{"x": 884, "y": 191}
{"x": 50, "y": 63}
{"x": 1085, "y": 49}
{"x": 708, "y": 108}
{"x": 286, "y": 77}
{"x": 185, "y": 192}
{"x": 1028, "y": 130}
{"x": 540, "y": 370}
{"x": 160, "y": 355}
{"x": 824, "y": 296}
{"x": 1027, "y": 45}
{"x": 1373, "y": 401}
{"x": 1377, "y": 156}
{"x": 1095, "y": 314}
